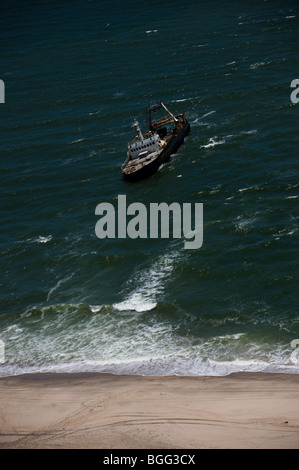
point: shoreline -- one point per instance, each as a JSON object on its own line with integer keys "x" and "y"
{"x": 88, "y": 374}
{"x": 90, "y": 410}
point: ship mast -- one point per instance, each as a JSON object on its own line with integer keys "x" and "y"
{"x": 137, "y": 129}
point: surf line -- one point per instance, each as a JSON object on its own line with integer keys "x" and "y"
{"x": 153, "y": 223}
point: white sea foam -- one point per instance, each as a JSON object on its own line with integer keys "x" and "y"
{"x": 198, "y": 121}
{"x": 207, "y": 114}
{"x": 136, "y": 302}
{"x": 96, "y": 308}
{"x": 172, "y": 363}
{"x": 41, "y": 239}
{"x": 243, "y": 223}
{"x": 201, "y": 45}
{"x": 213, "y": 142}
{"x": 147, "y": 285}
{"x": 258, "y": 64}
{"x": 216, "y": 140}
{"x": 253, "y": 131}
{"x": 247, "y": 189}
{"x": 75, "y": 141}
{"x": 58, "y": 284}
{"x": 233, "y": 336}
{"x": 285, "y": 232}
{"x": 119, "y": 344}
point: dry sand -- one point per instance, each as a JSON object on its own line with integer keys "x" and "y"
{"x": 52, "y": 411}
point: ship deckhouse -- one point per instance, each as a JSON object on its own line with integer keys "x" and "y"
{"x": 142, "y": 146}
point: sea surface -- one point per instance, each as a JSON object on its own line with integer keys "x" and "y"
{"x": 76, "y": 75}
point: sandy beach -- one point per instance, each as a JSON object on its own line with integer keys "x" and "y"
{"x": 73, "y": 411}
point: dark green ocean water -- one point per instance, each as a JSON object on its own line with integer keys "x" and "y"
{"x": 76, "y": 74}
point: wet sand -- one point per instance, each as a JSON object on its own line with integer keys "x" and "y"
{"x": 84, "y": 411}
